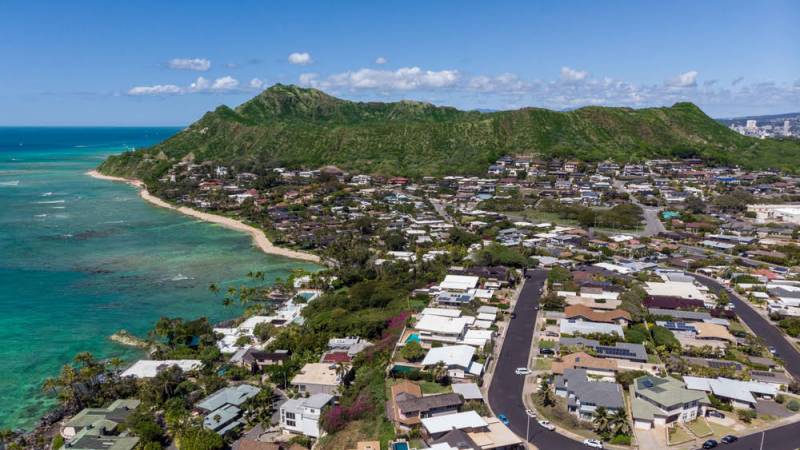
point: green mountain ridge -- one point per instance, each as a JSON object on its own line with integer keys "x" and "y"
{"x": 299, "y": 127}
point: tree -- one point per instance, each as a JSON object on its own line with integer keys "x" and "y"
{"x": 412, "y": 351}
{"x": 619, "y": 423}
{"x": 546, "y": 394}
{"x": 263, "y": 331}
{"x": 601, "y": 422}
{"x": 439, "y": 372}
{"x": 196, "y": 438}
{"x": 694, "y": 205}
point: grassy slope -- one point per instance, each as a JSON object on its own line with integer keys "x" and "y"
{"x": 292, "y": 126}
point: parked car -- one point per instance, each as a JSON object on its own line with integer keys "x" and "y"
{"x": 513, "y": 315}
{"x": 715, "y": 413}
{"x": 546, "y": 351}
{"x": 773, "y": 350}
{"x": 522, "y": 371}
{"x": 503, "y": 419}
{"x": 530, "y": 413}
{"x": 546, "y": 424}
{"x": 711, "y": 443}
{"x": 729, "y": 439}
{"x": 594, "y": 443}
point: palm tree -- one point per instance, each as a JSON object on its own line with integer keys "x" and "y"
{"x": 601, "y": 421}
{"x": 439, "y": 371}
{"x": 619, "y": 422}
{"x": 214, "y": 288}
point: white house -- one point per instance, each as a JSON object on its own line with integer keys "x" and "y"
{"x": 741, "y": 394}
{"x": 301, "y": 415}
{"x": 457, "y": 359}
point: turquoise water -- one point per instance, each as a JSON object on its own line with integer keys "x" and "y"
{"x": 81, "y": 258}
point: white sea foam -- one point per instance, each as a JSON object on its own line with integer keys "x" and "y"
{"x": 9, "y": 183}
{"x": 41, "y": 215}
{"x": 47, "y": 194}
{"x": 180, "y": 277}
{"x": 50, "y": 202}
{"x": 58, "y": 207}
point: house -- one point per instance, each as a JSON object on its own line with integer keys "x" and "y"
{"x": 256, "y": 360}
{"x": 680, "y": 289}
{"x": 581, "y": 312}
{"x": 408, "y": 406}
{"x": 585, "y": 396}
{"x": 148, "y": 368}
{"x": 438, "y": 328}
{"x": 456, "y": 358}
{"x": 620, "y": 350}
{"x": 656, "y": 402}
{"x": 301, "y": 415}
{"x": 459, "y": 284}
{"x": 319, "y": 378}
{"x": 110, "y": 416}
{"x": 740, "y": 394}
{"x": 594, "y": 366}
{"x": 468, "y": 430}
{"x": 222, "y": 409}
{"x": 779, "y": 379}
{"x": 578, "y": 327}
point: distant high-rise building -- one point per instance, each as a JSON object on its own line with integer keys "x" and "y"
{"x": 786, "y": 126}
{"x": 751, "y": 124}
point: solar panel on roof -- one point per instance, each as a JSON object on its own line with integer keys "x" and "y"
{"x": 647, "y": 383}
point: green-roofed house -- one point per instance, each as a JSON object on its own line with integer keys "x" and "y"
{"x": 656, "y": 402}
{"x": 97, "y": 428}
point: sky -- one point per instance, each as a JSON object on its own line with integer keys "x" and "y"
{"x": 166, "y": 63}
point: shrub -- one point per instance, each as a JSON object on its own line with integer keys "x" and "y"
{"x": 746, "y": 415}
{"x": 780, "y": 398}
{"x": 621, "y": 439}
{"x": 793, "y": 406}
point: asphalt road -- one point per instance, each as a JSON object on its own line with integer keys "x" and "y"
{"x": 505, "y": 393}
{"x": 761, "y": 327}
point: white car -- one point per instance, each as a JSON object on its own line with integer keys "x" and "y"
{"x": 530, "y": 413}
{"x": 546, "y": 424}
{"x": 593, "y": 443}
{"x": 522, "y": 371}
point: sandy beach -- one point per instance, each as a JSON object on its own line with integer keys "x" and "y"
{"x": 259, "y": 238}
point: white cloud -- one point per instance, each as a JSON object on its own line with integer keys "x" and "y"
{"x": 256, "y": 83}
{"x": 569, "y": 74}
{"x": 158, "y": 89}
{"x": 403, "y": 79}
{"x": 224, "y": 84}
{"x": 308, "y": 79}
{"x": 684, "y": 80}
{"x": 196, "y": 64}
{"x": 381, "y": 60}
{"x": 302, "y": 59}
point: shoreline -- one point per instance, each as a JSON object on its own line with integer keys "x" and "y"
{"x": 258, "y": 236}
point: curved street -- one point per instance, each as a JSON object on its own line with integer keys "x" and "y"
{"x": 506, "y": 389}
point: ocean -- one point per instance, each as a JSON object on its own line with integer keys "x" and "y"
{"x": 82, "y": 258}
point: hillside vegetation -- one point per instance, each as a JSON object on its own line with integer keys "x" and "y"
{"x": 297, "y": 127}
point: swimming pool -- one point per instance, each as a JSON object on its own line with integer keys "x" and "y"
{"x": 413, "y": 338}
{"x": 400, "y": 445}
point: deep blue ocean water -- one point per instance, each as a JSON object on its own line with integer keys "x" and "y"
{"x": 81, "y": 258}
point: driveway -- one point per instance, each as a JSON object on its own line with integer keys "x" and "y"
{"x": 771, "y": 408}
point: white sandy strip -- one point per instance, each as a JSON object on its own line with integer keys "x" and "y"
{"x": 259, "y": 238}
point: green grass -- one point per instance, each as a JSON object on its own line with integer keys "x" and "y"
{"x": 542, "y": 364}
{"x": 677, "y": 435}
{"x": 429, "y": 387}
{"x": 547, "y": 344}
{"x": 699, "y": 427}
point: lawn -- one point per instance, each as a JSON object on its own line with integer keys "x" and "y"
{"x": 720, "y": 430}
{"x": 542, "y": 364}
{"x": 547, "y": 344}
{"x": 677, "y": 435}
{"x": 429, "y": 387}
{"x": 700, "y": 427}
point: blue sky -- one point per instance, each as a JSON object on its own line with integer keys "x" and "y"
{"x": 166, "y": 63}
